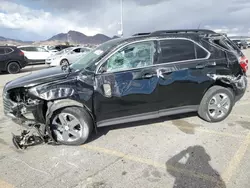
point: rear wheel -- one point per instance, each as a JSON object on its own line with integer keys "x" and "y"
{"x": 71, "y": 126}
{"x": 216, "y": 104}
{"x": 13, "y": 68}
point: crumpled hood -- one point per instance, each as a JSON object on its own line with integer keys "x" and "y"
{"x": 40, "y": 77}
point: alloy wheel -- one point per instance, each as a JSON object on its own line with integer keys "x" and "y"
{"x": 67, "y": 127}
{"x": 219, "y": 105}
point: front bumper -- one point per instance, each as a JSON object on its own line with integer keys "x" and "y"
{"x": 52, "y": 62}
{"x": 18, "y": 112}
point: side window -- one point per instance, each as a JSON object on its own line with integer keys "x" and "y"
{"x": 38, "y": 49}
{"x": 77, "y": 50}
{"x": 176, "y": 50}
{"x": 84, "y": 50}
{"x": 2, "y": 51}
{"x": 28, "y": 49}
{"x": 8, "y": 50}
{"x": 22, "y": 48}
{"x": 132, "y": 56}
{"x": 200, "y": 52}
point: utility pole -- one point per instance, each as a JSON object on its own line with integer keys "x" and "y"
{"x": 121, "y": 29}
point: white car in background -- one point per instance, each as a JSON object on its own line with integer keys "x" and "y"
{"x": 50, "y": 48}
{"x": 67, "y": 56}
{"x": 35, "y": 54}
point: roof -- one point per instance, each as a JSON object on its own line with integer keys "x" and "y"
{"x": 190, "y": 33}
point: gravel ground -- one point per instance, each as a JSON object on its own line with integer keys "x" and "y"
{"x": 176, "y": 151}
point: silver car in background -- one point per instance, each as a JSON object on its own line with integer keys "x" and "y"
{"x": 67, "y": 56}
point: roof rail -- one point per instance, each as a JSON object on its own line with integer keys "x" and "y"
{"x": 139, "y": 34}
{"x": 201, "y": 31}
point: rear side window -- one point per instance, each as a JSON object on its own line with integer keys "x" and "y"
{"x": 2, "y": 51}
{"x": 173, "y": 50}
{"x": 200, "y": 52}
{"x": 38, "y": 49}
{"x": 77, "y": 50}
{"x": 8, "y": 50}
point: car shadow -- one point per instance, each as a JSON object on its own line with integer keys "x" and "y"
{"x": 191, "y": 168}
{"x": 176, "y": 120}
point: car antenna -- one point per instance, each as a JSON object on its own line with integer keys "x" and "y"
{"x": 199, "y": 25}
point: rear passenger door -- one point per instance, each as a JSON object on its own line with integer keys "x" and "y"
{"x": 182, "y": 69}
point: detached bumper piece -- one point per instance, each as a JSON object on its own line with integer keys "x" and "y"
{"x": 29, "y": 138}
{"x": 25, "y": 140}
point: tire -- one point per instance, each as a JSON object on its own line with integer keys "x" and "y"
{"x": 69, "y": 131}
{"x": 64, "y": 62}
{"x": 216, "y": 104}
{"x": 13, "y": 68}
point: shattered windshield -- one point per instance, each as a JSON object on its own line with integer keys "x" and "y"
{"x": 89, "y": 61}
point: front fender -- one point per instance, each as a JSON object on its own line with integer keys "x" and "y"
{"x": 63, "y": 103}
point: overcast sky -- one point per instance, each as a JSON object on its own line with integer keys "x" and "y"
{"x": 40, "y": 19}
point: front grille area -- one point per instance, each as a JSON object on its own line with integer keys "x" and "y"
{"x": 7, "y": 103}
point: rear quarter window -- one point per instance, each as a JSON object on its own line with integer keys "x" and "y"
{"x": 8, "y": 50}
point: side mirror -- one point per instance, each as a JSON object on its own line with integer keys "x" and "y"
{"x": 107, "y": 90}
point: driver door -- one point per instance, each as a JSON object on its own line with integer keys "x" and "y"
{"x": 126, "y": 85}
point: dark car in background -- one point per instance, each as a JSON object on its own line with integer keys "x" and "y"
{"x": 12, "y": 59}
{"x": 131, "y": 79}
{"x": 242, "y": 44}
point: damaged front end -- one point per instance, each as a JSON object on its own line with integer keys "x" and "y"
{"x": 21, "y": 108}
{"x": 27, "y": 107}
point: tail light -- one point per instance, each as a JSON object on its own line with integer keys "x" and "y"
{"x": 21, "y": 53}
{"x": 244, "y": 63}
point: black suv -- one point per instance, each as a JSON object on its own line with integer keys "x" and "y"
{"x": 11, "y": 59}
{"x": 145, "y": 76}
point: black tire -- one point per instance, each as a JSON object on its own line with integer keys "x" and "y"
{"x": 64, "y": 62}
{"x": 13, "y": 68}
{"x": 85, "y": 121}
{"x": 203, "y": 110}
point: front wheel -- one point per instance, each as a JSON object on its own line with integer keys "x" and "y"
{"x": 216, "y": 104}
{"x": 71, "y": 126}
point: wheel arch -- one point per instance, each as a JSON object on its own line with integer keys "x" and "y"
{"x": 53, "y": 106}
{"x": 222, "y": 84}
{"x": 6, "y": 66}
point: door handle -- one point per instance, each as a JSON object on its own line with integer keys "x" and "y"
{"x": 147, "y": 76}
{"x": 200, "y": 66}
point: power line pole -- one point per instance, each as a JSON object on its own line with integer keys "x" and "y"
{"x": 120, "y": 32}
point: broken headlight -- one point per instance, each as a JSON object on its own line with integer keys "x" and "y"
{"x": 50, "y": 93}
